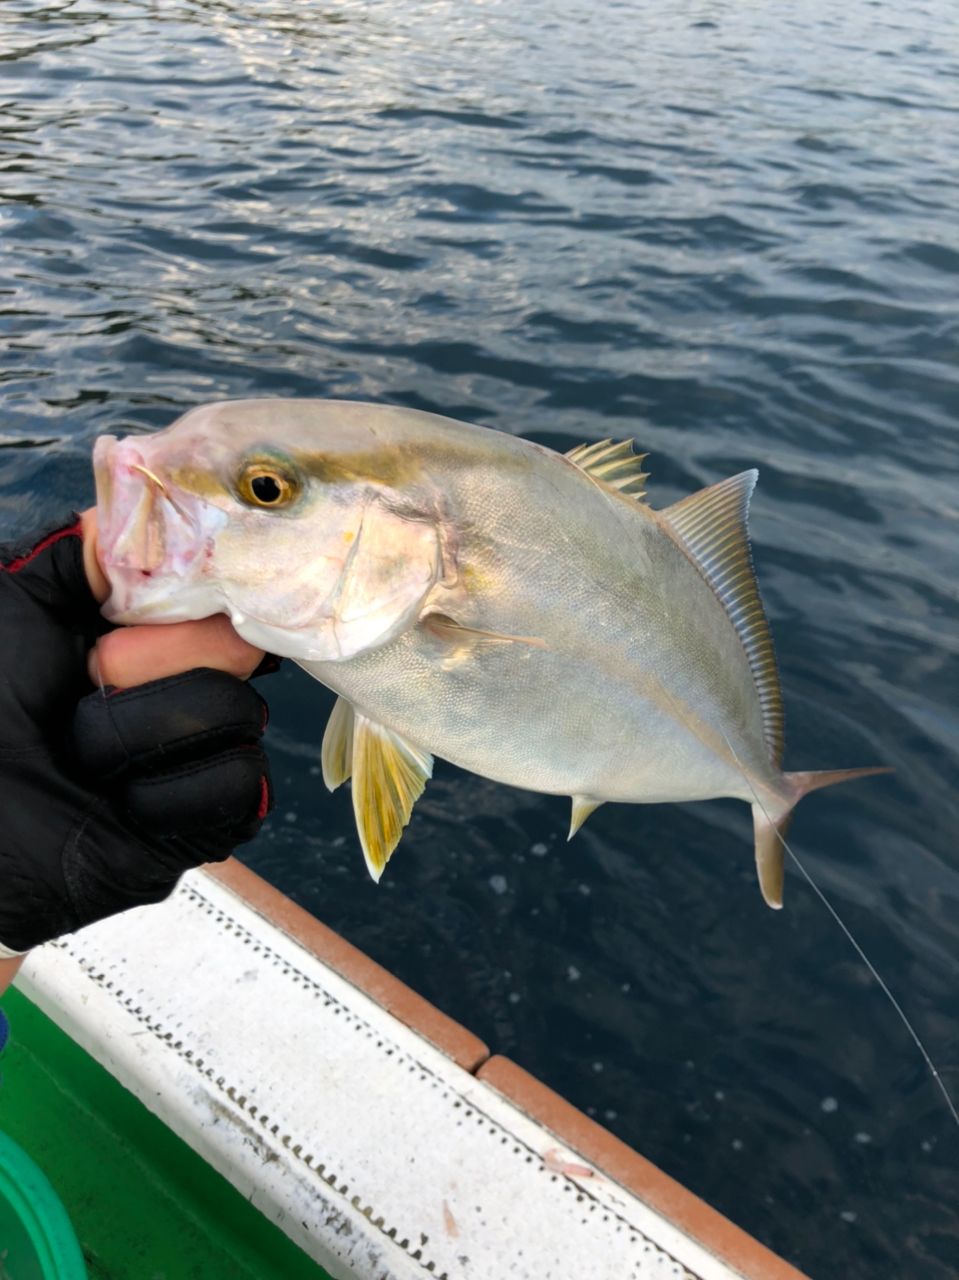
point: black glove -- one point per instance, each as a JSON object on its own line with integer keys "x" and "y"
{"x": 108, "y": 796}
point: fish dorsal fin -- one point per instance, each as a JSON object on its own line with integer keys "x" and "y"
{"x": 711, "y": 525}
{"x": 614, "y": 464}
{"x": 389, "y": 775}
{"x": 336, "y": 756}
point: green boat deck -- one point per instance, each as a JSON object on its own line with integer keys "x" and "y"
{"x": 144, "y": 1206}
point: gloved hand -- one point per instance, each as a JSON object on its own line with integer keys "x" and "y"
{"x": 108, "y": 796}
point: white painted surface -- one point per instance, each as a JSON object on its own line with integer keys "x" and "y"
{"x": 375, "y": 1153}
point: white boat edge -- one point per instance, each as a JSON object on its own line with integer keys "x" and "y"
{"x": 376, "y": 1132}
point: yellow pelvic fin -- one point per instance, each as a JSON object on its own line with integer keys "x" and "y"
{"x": 614, "y": 464}
{"x": 583, "y": 806}
{"x": 336, "y": 756}
{"x": 711, "y": 525}
{"x": 389, "y": 775}
{"x": 455, "y": 633}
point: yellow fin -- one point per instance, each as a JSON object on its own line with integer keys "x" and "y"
{"x": 389, "y": 775}
{"x": 336, "y": 756}
{"x": 614, "y": 464}
{"x": 711, "y": 525}
{"x": 449, "y": 629}
{"x": 583, "y": 806}
{"x": 770, "y": 832}
{"x": 770, "y": 858}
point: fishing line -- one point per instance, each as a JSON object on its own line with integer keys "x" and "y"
{"x": 871, "y": 968}
{"x": 883, "y": 986}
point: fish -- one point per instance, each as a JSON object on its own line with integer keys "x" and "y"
{"x": 468, "y": 595}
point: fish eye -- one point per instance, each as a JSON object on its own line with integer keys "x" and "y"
{"x": 263, "y": 484}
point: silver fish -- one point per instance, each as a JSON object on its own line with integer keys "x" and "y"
{"x": 469, "y": 595}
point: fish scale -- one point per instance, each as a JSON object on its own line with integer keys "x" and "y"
{"x": 469, "y": 595}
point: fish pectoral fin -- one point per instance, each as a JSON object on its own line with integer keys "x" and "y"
{"x": 389, "y": 775}
{"x": 455, "y": 633}
{"x": 613, "y": 464}
{"x": 336, "y": 755}
{"x": 583, "y": 806}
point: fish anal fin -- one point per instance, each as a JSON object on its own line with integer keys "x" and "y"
{"x": 336, "y": 756}
{"x": 389, "y": 775}
{"x": 614, "y": 464}
{"x": 583, "y": 806}
{"x": 711, "y": 526}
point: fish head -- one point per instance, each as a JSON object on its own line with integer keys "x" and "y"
{"x": 294, "y": 518}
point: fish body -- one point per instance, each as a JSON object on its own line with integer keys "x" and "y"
{"x": 588, "y": 702}
{"x": 470, "y": 595}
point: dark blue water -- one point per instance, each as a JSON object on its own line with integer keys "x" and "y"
{"x": 728, "y": 230}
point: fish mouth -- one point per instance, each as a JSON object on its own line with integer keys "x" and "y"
{"x": 131, "y": 532}
{"x": 151, "y": 538}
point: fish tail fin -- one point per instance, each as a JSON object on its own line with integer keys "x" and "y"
{"x": 802, "y": 783}
{"x": 770, "y": 836}
{"x": 770, "y": 828}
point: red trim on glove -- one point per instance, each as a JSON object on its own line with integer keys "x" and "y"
{"x": 264, "y": 800}
{"x": 74, "y": 531}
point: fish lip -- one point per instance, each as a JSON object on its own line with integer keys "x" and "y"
{"x": 103, "y": 450}
{"x": 151, "y": 541}
{"x": 126, "y": 506}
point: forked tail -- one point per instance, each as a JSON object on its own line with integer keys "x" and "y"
{"x": 770, "y": 828}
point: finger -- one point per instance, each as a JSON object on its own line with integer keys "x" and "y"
{"x": 211, "y": 804}
{"x": 164, "y": 723}
{"x": 134, "y": 655}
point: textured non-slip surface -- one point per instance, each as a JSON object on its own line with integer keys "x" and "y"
{"x": 374, "y": 1151}
{"x": 142, "y": 1204}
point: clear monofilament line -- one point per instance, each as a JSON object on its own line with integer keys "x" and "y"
{"x": 883, "y": 986}
{"x": 871, "y": 968}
